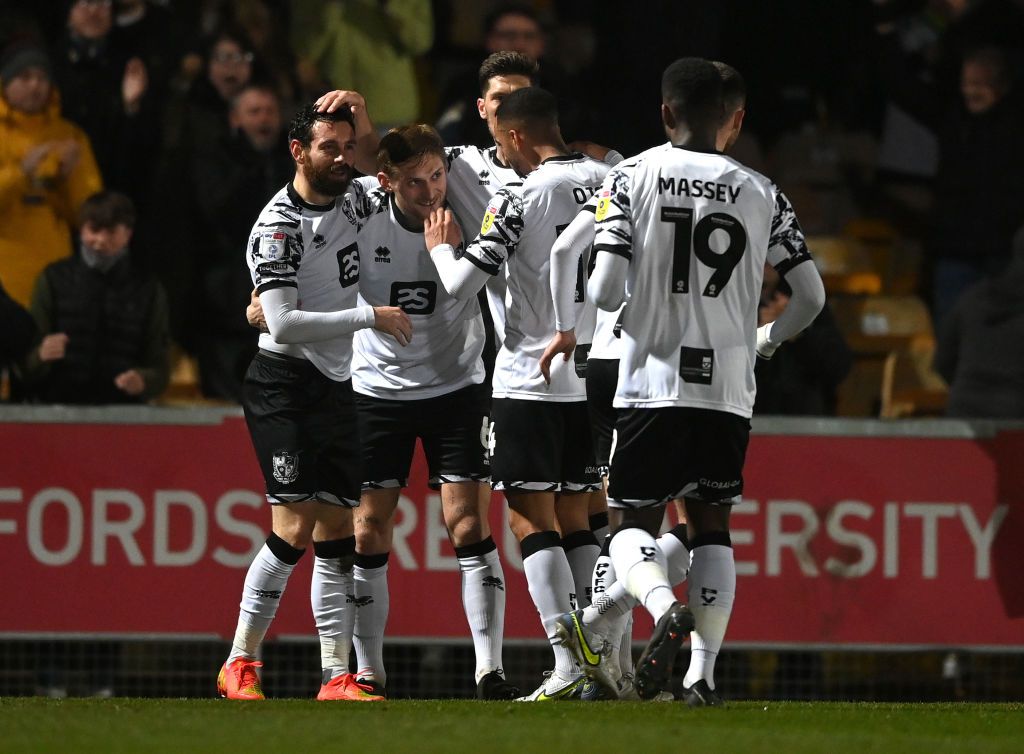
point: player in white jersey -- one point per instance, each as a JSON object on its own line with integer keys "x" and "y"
{"x": 611, "y": 612}
{"x": 540, "y": 444}
{"x": 432, "y": 390}
{"x": 297, "y": 395}
{"x": 685, "y": 233}
{"x": 474, "y": 174}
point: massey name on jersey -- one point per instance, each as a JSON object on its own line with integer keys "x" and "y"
{"x": 695, "y": 188}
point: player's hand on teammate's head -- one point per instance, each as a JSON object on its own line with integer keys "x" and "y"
{"x": 441, "y": 228}
{"x": 393, "y": 321}
{"x": 563, "y": 343}
{"x": 336, "y": 98}
{"x": 254, "y": 313}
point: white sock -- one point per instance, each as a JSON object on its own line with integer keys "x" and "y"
{"x": 581, "y": 550}
{"x": 673, "y": 544}
{"x": 265, "y": 583}
{"x": 551, "y": 585}
{"x": 640, "y": 565}
{"x": 613, "y": 604}
{"x": 712, "y": 589}
{"x": 626, "y": 645}
{"x": 483, "y": 598}
{"x": 604, "y": 572}
{"x": 333, "y": 613}
{"x": 372, "y": 601}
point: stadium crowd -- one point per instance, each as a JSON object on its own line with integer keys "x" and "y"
{"x": 893, "y": 126}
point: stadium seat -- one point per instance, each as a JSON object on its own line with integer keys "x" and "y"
{"x": 845, "y": 265}
{"x": 910, "y": 387}
{"x": 896, "y": 259}
{"x": 183, "y": 387}
{"x": 892, "y": 340}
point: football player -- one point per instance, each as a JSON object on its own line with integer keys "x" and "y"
{"x": 541, "y": 456}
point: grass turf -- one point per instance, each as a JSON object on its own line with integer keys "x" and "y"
{"x": 199, "y": 725}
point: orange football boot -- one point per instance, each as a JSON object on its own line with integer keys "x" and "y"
{"x": 345, "y": 687}
{"x": 238, "y": 680}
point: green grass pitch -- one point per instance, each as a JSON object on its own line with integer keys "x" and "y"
{"x": 207, "y": 725}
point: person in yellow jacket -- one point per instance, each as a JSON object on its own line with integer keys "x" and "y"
{"x": 47, "y": 169}
{"x": 369, "y": 46}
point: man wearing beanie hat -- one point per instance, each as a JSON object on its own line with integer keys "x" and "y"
{"x": 47, "y": 169}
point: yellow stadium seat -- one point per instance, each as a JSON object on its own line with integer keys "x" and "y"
{"x": 845, "y": 265}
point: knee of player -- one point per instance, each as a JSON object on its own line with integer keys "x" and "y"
{"x": 467, "y": 530}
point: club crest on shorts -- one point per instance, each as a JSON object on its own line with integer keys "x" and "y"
{"x": 286, "y": 467}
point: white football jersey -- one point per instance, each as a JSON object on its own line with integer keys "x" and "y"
{"x": 518, "y": 230}
{"x": 311, "y": 248}
{"x": 474, "y": 175}
{"x": 447, "y": 334}
{"x": 697, "y": 228}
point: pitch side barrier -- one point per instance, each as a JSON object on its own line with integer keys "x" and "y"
{"x": 139, "y": 523}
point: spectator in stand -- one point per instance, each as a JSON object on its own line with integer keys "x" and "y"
{"x": 103, "y": 85}
{"x": 104, "y": 324}
{"x": 47, "y": 170}
{"x": 235, "y": 177}
{"x": 365, "y": 45}
{"x": 978, "y": 351}
{"x": 802, "y": 377}
{"x": 512, "y": 27}
{"x": 202, "y": 114}
{"x": 155, "y": 33}
{"x": 197, "y": 117}
{"x": 978, "y": 195}
{"x": 19, "y": 330}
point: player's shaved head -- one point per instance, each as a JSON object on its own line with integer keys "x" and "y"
{"x": 529, "y": 109}
{"x": 692, "y": 89}
{"x": 407, "y": 144}
{"x": 506, "y": 63}
{"x": 734, "y": 88}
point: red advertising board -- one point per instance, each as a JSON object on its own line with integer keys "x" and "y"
{"x": 848, "y": 540}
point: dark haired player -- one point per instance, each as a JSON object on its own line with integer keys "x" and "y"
{"x": 297, "y": 394}
{"x": 539, "y": 438}
{"x": 686, "y": 231}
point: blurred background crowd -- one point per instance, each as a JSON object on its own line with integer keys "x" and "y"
{"x": 139, "y": 139}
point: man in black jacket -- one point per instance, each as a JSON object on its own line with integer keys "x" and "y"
{"x": 104, "y": 323}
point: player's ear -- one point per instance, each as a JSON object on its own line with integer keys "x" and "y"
{"x": 295, "y": 147}
{"x": 667, "y": 116}
{"x": 737, "y": 119}
{"x": 385, "y": 181}
{"x": 480, "y": 107}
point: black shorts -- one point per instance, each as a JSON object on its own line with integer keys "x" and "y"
{"x": 665, "y": 453}
{"x": 602, "y": 377}
{"x": 303, "y": 427}
{"x": 452, "y": 428}
{"x": 542, "y": 446}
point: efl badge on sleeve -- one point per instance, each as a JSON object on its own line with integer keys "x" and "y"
{"x": 272, "y": 244}
{"x": 488, "y": 222}
{"x": 602, "y": 205}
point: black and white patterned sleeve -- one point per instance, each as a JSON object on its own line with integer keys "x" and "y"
{"x": 786, "y": 246}
{"x": 500, "y": 231}
{"x": 614, "y": 225}
{"x": 275, "y": 248}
